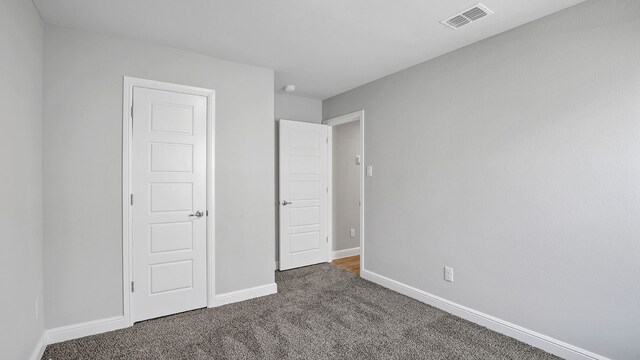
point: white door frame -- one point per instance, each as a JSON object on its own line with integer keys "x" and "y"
{"x": 127, "y": 139}
{"x": 354, "y": 116}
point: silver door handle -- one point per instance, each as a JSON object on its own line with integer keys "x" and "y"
{"x": 285, "y": 202}
{"x": 197, "y": 214}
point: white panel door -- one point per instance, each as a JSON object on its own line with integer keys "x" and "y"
{"x": 303, "y": 194}
{"x": 169, "y": 203}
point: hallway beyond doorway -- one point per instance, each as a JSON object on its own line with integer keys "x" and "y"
{"x": 351, "y": 263}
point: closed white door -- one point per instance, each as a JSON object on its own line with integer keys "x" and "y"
{"x": 169, "y": 203}
{"x": 303, "y": 194}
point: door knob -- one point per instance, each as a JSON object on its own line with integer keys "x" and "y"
{"x": 197, "y": 214}
{"x": 285, "y": 202}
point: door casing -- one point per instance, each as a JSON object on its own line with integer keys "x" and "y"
{"x": 127, "y": 139}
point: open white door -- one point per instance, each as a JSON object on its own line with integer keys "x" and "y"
{"x": 303, "y": 194}
{"x": 168, "y": 203}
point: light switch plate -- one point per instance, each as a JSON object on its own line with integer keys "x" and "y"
{"x": 369, "y": 170}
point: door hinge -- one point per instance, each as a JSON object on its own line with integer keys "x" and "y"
{"x": 326, "y": 140}
{"x": 326, "y": 239}
{"x": 132, "y": 287}
{"x": 327, "y": 189}
{"x": 131, "y": 199}
{"x": 132, "y": 112}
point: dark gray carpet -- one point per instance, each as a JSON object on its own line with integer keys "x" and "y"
{"x": 320, "y": 312}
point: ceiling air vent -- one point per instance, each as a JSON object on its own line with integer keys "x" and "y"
{"x": 467, "y": 17}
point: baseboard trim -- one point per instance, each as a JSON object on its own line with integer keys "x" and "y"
{"x": 530, "y": 337}
{"x": 38, "y": 350}
{"x": 245, "y": 294}
{"x": 339, "y": 254}
{"x": 76, "y": 331}
{"x": 88, "y": 328}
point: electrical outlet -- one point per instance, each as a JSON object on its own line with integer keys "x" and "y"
{"x": 352, "y": 233}
{"x": 37, "y": 307}
{"x": 448, "y": 273}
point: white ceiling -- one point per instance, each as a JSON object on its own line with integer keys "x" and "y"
{"x": 325, "y": 47}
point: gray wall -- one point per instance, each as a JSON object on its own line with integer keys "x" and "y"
{"x": 21, "y": 46}
{"x": 516, "y": 161}
{"x": 82, "y": 146}
{"x": 298, "y": 108}
{"x": 346, "y": 185}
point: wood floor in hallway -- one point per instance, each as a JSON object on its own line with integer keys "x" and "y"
{"x": 351, "y": 263}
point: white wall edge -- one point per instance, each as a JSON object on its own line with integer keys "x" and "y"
{"x": 339, "y": 254}
{"x": 76, "y": 331}
{"x": 38, "y": 350}
{"x": 544, "y": 342}
{"x": 245, "y": 294}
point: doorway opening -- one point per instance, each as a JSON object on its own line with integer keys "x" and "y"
{"x": 321, "y": 192}
{"x": 346, "y": 177}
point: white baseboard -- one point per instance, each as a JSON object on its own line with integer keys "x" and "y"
{"x": 339, "y": 254}
{"x": 530, "y": 337}
{"x": 38, "y": 350}
{"x": 76, "y": 331}
{"x": 245, "y": 294}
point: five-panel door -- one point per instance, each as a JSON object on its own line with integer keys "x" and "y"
{"x": 303, "y": 194}
{"x": 169, "y": 203}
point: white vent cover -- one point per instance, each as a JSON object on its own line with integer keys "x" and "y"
{"x": 467, "y": 17}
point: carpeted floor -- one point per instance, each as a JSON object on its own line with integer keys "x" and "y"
{"x": 320, "y": 312}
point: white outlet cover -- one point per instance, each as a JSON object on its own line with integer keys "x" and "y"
{"x": 448, "y": 273}
{"x": 369, "y": 170}
{"x": 352, "y": 233}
